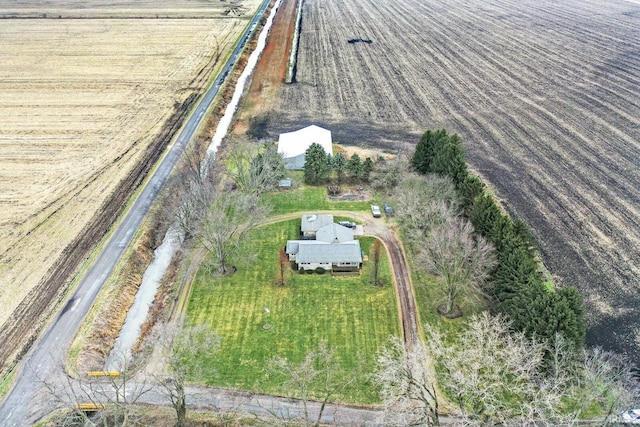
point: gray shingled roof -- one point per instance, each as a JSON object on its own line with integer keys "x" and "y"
{"x": 292, "y": 247}
{"x": 314, "y": 251}
{"x": 334, "y": 233}
{"x": 316, "y": 223}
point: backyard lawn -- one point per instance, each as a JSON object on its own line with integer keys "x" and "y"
{"x": 309, "y": 198}
{"x": 259, "y": 320}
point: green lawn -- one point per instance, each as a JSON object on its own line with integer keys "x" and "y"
{"x": 430, "y": 293}
{"x": 309, "y": 199}
{"x": 348, "y": 313}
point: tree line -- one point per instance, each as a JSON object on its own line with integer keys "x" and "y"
{"x": 523, "y": 361}
{"x": 516, "y": 284}
{"x": 320, "y": 167}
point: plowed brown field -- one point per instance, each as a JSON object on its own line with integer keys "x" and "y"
{"x": 546, "y": 96}
{"x": 87, "y": 105}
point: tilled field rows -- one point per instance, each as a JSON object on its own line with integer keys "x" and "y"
{"x": 545, "y": 95}
{"x": 81, "y": 102}
{"x": 130, "y": 9}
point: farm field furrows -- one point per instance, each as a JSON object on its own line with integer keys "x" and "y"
{"x": 83, "y": 103}
{"x": 130, "y": 9}
{"x": 545, "y": 95}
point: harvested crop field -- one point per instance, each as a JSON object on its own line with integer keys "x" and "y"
{"x": 87, "y": 105}
{"x": 546, "y": 96}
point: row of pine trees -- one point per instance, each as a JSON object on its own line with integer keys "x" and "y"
{"x": 518, "y": 287}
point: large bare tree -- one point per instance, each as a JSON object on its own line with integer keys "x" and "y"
{"x": 182, "y": 346}
{"x": 499, "y": 377}
{"x": 490, "y": 372}
{"x": 225, "y": 223}
{"x": 318, "y": 375}
{"x": 217, "y": 219}
{"x": 461, "y": 259}
{"x": 110, "y": 397}
{"x": 423, "y": 202}
{"x": 407, "y": 385}
{"x": 253, "y": 168}
{"x": 608, "y": 380}
{"x": 387, "y": 175}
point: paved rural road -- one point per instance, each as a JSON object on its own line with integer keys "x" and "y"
{"x": 28, "y": 401}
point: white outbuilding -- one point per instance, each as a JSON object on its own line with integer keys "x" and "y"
{"x": 293, "y": 145}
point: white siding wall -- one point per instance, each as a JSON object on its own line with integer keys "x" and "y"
{"x": 314, "y": 265}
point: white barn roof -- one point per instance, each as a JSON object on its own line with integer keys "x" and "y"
{"x": 292, "y": 144}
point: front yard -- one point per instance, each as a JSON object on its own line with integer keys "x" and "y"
{"x": 258, "y": 320}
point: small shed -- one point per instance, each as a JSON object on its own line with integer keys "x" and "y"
{"x": 293, "y": 145}
{"x": 285, "y": 183}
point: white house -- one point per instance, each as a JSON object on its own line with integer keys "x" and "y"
{"x": 293, "y": 145}
{"x": 334, "y": 247}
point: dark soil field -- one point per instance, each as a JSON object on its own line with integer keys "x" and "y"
{"x": 546, "y": 96}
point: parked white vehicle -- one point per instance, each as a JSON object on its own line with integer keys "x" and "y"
{"x": 375, "y": 210}
{"x": 631, "y": 416}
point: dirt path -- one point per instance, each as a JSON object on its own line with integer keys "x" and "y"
{"x": 271, "y": 69}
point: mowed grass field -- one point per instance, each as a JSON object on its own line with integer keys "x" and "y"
{"x": 81, "y": 100}
{"x": 349, "y": 314}
{"x": 545, "y": 96}
{"x": 312, "y": 198}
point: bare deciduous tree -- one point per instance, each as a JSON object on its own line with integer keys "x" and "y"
{"x": 491, "y": 373}
{"x": 182, "y": 347}
{"x": 283, "y": 262}
{"x": 195, "y": 165}
{"x": 609, "y": 381}
{"x": 387, "y": 175}
{"x": 498, "y": 377}
{"x": 425, "y": 201}
{"x": 230, "y": 216}
{"x": 193, "y": 204}
{"x": 217, "y": 220}
{"x": 407, "y": 385}
{"x": 319, "y": 373}
{"x": 110, "y": 398}
{"x": 253, "y": 168}
{"x": 461, "y": 259}
{"x": 376, "y": 248}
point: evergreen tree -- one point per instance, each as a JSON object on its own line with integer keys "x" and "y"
{"x": 426, "y": 150}
{"x": 504, "y": 235}
{"x": 316, "y": 165}
{"x": 470, "y": 188}
{"x": 484, "y": 214}
{"x": 516, "y": 268}
{"x": 522, "y": 231}
{"x": 449, "y": 160}
{"x": 574, "y": 327}
{"x": 356, "y": 168}
{"x": 339, "y": 165}
{"x": 367, "y": 167}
